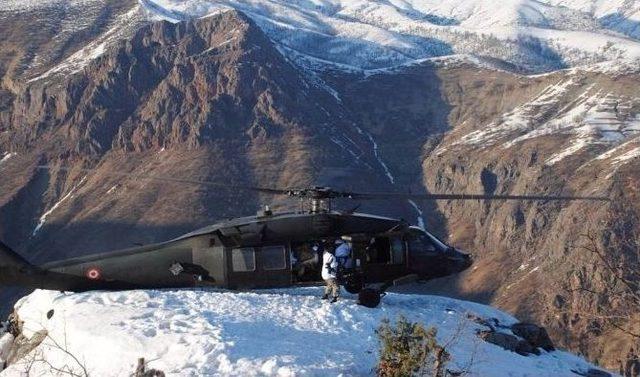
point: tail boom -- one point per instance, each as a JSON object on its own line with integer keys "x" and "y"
{"x": 15, "y": 271}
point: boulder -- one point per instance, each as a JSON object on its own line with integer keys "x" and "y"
{"x": 597, "y": 373}
{"x": 509, "y": 342}
{"x": 22, "y": 346}
{"x": 535, "y": 335}
{"x": 6, "y": 342}
{"x": 592, "y": 372}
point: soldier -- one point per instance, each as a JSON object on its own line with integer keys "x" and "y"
{"x": 343, "y": 254}
{"x": 329, "y": 275}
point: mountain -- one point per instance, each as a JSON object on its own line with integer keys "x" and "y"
{"x": 527, "y": 36}
{"x": 210, "y": 99}
{"x": 187, "y": 332}
{"x": 569, "y": 132}
{"x": 472, "y": 96}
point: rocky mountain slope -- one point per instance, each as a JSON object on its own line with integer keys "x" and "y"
{"x": 570, "y": 132}
{"x": 353, "y": 98}
{"x": 211, "y": 99}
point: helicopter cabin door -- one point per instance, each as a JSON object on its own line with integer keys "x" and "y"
{"x": 258, "y": 267}
{"x": 386, "y": 258}
{"x": 208, "y": 253}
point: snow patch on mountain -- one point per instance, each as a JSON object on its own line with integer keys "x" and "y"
{"x": 583, "y": 117}
{"x": 96, "y": 48}
{"x": 282, "y": 332}
{"x": 6, "y": 157}
{"x": 522, "y": 118}
{"x": 634, "y": 153}
{"x": 43, "y": 218}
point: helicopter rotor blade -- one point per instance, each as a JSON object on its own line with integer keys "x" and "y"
{"x": 227, "y": 186}
{"x": 328, "y": 193}
{"x": 464, "y": 196}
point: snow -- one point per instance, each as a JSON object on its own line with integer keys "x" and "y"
{"x": 522, "y": 118}
{"x": 390, "y": 177}
{"x": 94, "y": 49}
{"x": 6, "y": 157}
{"x": 30, "y": 5}
{"x": 536, "y": 36}
{"x": 6, "y": 339}
{"x": 43, "y": 218}
{"x": 376, "y": 153}
{"x": 359, "y": 34}
{"x": 634, "y": 153}
{"x": 582, "y": 117}
{"x": 572, "y": 149}
{"x": 112, "y": 189}
{"x": 226, "y": 42}
{"x": 420, "y": 218}
{"x": 286, "y": 332}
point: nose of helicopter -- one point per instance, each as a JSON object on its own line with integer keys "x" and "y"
{"x": 461, "y": 260}
{"x": 467, "y": 260}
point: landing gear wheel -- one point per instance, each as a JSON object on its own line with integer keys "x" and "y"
{"x": 369, "y": 297}
{"x": 353, "y": 283}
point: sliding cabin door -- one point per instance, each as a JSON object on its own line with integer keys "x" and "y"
{"x": 259, "y": 267}
{"x": 386, "y": 258}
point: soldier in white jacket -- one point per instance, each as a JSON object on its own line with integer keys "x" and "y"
{"x": 329, "y": 271}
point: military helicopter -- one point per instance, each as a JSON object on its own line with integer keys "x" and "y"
{"x": 267, "y": 250}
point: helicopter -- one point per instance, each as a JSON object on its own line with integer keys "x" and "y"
{"x": 268, "y": 250}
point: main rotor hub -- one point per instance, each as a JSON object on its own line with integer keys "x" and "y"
{"x": 317, "y": 192}
{"x": 318, "y": 198}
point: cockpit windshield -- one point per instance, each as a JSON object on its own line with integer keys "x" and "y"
{"x": 427, "y": 240}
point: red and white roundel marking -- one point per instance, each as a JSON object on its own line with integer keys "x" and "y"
{"x": 93, "y": 273}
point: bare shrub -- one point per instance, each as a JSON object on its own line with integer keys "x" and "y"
{"x": 409, "y": 349}
{"x": 142, "y": 371}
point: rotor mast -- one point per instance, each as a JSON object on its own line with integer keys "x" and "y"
{"x": 318, "y": 198}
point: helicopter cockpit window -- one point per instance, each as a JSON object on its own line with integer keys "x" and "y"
{"x": 421, "y": 243}
{"x": 273, "y": 258}
{"x": 397, "y": 251}
{"x": 243, "y": 259}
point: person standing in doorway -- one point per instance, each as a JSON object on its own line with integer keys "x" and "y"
{"x": 329, "y": 275}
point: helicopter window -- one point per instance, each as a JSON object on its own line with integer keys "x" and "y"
{"x": 273, "y": 258}
{"x": 421, "y": 243}
{"x": 397, "y": 251}
{"x": 379, "y": 250}
{"x": 243, "y": 259}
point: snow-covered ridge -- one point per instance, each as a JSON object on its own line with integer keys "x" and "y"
{"x": 533, "y": 35}
{"x": 269, "y": 333}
